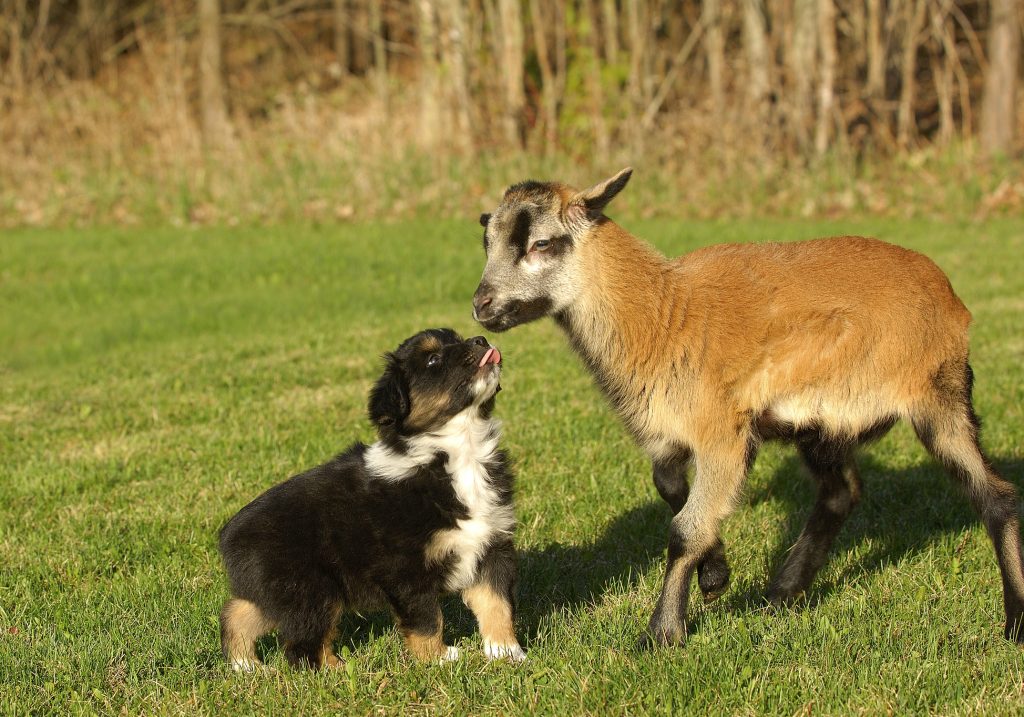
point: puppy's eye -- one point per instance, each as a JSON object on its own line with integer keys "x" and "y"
{"x": 541, "y": 245}
{"x": 434, "y": 360}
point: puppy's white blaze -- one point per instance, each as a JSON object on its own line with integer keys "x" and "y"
{"x": 504, "y": 651}
{"x": 469, "y": 441}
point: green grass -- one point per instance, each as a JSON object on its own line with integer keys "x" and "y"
{"x": 154, "y": 381}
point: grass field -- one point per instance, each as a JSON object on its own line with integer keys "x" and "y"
{"x": 154, "y": 381}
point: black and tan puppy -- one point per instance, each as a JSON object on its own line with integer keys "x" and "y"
{"x": 425, "y": 510}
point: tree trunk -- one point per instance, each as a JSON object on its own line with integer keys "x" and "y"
{"x": 826, "y": 84}
{"x": 454, "y": 50}
{"x": 801, "y": 64}
{"x": 906, "y": 122}
{"x": 512, "y": 70}
{"x": 589, "y": 36}
{"x": 341, "y": 34}
{"x": 999, "y": 101}
{"x": 359, "y": 38}
{"x": 876, "y": 52}
{"x": 549, "y": 91}
{"x": 430, "y": 119}
{"x": 610, "y": 24}
{"x": 714, "y": 49}
{"x": 380, "y": 57}
{"x": 213, "y": 111}
{"x": 755, "y": 45}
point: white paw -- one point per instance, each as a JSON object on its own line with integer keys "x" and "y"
{"x": 245, "y": 664}
{"x": 502, "y": 651}
{"x": 450, "y": 655}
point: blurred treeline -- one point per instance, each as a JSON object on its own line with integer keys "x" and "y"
{"x": 241, "y": 110}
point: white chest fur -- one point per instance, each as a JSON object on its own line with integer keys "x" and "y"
{"x": 470, "y": 443}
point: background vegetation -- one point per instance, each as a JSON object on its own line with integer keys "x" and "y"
{"x": 228, "y": 111}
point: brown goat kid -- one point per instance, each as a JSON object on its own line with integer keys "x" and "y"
{"x": 824, "y": 343}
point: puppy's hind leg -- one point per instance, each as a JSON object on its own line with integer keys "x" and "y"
{"x": 491, "y": 598}
{"x": 241, "y": 624}
{"x": 309, "y": 634}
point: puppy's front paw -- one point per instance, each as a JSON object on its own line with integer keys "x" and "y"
{"x": 451, "y": 654}
{"x": 504, "y": 651}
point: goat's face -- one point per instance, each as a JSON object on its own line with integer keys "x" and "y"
{"x": 532, "y": 241}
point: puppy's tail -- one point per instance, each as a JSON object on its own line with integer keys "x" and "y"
{"x": 241, "y": 624}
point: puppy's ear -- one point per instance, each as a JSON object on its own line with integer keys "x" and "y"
{"x": 389, "y": 399}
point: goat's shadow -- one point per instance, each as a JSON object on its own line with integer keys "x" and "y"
{"x": 901, "y": 513}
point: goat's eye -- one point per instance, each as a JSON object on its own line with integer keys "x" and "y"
{"x": 541, "y": 245}
{"x": 433, "y": 360}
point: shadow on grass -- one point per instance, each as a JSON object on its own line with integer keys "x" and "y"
{"x": 901, "y": 513}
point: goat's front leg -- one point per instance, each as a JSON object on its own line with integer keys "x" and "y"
{"x": 671, "y": 482}
{"x": 693, "y": 536}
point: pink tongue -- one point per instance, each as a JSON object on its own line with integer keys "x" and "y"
{"x": 492, "y": 355}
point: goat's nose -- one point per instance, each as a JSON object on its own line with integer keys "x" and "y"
{"x": 482, "y": 298}
{"x": 479, "y": 341}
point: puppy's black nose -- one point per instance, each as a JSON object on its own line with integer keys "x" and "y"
{"x": 479, "y": 341}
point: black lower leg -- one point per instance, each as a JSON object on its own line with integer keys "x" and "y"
{"x": 998, "y": 509}
{"x": 668, "y": 623}
{"x": 304, "y": 653}
{"x": 838, "y": 490}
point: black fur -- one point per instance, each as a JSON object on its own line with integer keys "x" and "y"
{"x": 339, "y": 537}
{"x": 520, "y": 236}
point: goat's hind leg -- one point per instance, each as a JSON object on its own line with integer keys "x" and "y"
{"x": 831, "y": 464}
{"x": 674, "y": 488}
{"x": 948, "y": 427}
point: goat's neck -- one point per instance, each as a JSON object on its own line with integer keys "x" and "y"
{"x": 615, "y": 321}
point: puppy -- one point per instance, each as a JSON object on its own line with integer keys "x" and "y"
{"x": 427, "y": 509}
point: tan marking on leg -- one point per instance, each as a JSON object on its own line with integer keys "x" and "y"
{"x": 426, "y": 645}
{"x": 242, "y": 623}
{"x": 494, "y": 614}
{"x": 328, "y": 659}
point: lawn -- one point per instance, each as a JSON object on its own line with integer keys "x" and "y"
{"x": 154, "y": 381}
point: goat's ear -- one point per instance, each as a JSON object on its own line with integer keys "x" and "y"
{"x": 389, "y": 399}
{"x": 485, "y": 219}
{"x": 595, "y": 199}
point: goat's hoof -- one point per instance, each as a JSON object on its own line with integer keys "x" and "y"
{"x": 713, "y": 578}
{"x": 780, "y": 598}
{"x": 1014, "y": 630}
{"x": 661, "y": 636}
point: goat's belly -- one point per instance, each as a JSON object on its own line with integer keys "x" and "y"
{"x": 849, "y": 416}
